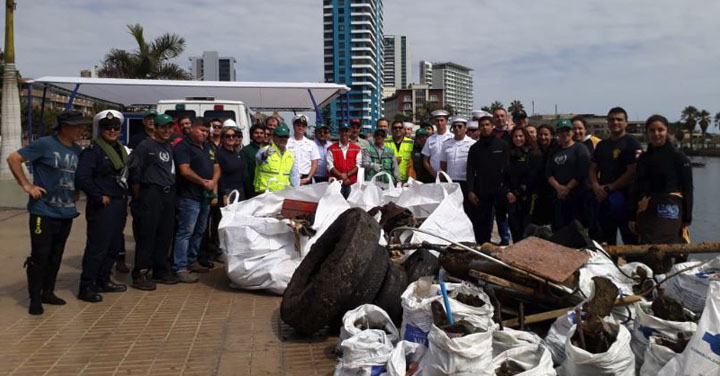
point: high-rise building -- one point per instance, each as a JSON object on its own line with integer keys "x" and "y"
{"x": 353, "y": 57}
{"x": 212, "y": 67}
{"x": 457, "y": 84}
{"x": 396, "y": 64}
{"x": 425, "y": 72}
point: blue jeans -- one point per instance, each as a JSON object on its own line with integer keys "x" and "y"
{"x": 192, "y": 218}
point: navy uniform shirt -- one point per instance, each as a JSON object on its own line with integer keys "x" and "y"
{"x": 54, "y": 166}
{"x": 487, "y": 160}
{"x": 137, "y": 138}
{"x": 96, "y": 175}
{"x": 152, "y": 163}
{"x": 201, "y": 160}
{"x": 613, "y": 156}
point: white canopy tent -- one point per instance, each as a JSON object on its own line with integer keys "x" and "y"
{"x": 259, "y": 96}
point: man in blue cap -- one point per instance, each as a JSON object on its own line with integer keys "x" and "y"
{"x": 54, "y": 160}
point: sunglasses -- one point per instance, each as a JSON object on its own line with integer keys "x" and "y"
{"x": 168, "y": 125}
{"x": 283, "y": 136}
{"x": 231, "y": 136}
{"x": 397, "y": 128}
{"x": 114, "y": 128}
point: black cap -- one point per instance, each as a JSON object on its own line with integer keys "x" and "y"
{"x": 70, "y": 118}
{"x": 519, "y": 114}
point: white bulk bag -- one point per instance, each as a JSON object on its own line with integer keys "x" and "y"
{"x": 441, "y": 204}
{"x": 618, "y": 360}
{"x": 404, "y": 353}
{"x": 647, "y": 324}
{"x": 260, "y": 247}
{"x": 470, "y": 355}
{"x": 364, "y": 354}
{"x": 367, "y": 316}
{"x": 702, "y": 354}
{"x": 371, "y": 193}
{"x": 656, "y": 357}
{"x": 691, "y": 286}
{"x": 509, "y": 338}
{"x": 534, "y": 359}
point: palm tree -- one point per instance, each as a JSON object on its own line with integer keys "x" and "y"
{"x": 495, "y": 105}
{"x": 515, "y": 106}
{"x": 717, "y": 120}
{"x": 486, "y": 108}
{"x": 149, "y": 61}
{"x": 689, "y": 118}
{"x": 703, "y": 119}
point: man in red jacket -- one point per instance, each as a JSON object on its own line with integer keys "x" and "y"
{"x": 343, "y": 160}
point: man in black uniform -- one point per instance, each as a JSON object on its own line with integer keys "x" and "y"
{"x": 100, "y": 175}
{"x": 611, "y": 173}
{"x": 153, "y": 206}
{"x": 149, "y": 124}
{"x": 487, "y": 160}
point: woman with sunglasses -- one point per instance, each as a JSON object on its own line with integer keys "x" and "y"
{"x": 233, "y": 174}
{"x": 100, "y": 175}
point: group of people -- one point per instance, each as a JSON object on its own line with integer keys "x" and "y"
{"x": 177, "y": 173}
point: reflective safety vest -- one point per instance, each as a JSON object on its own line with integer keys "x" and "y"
{"x": 274, "y": 173}
{"x": 346, "y": 163}
{"x": 385, "y": 160}
{"x": 405, "y": 153}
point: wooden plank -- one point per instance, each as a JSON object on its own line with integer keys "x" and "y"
{"x": 500, "y": 282}
{"x": 550, "y": 315}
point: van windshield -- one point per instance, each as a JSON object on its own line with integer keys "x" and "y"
{"x": 222, "y": 115}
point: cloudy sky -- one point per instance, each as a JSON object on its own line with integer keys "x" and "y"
{"x": 649, "y": 56}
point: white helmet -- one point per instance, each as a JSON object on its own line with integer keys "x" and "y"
{"x": 229, "y": 123}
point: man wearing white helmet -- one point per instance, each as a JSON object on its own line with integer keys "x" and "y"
{"x": 433, "y": 147}
{"x": 408, "y": 128}
{"x": 304, "y": 150}
{"x": 101, "y": 175}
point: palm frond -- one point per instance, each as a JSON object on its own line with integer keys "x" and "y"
{"x": 168, "y": 46}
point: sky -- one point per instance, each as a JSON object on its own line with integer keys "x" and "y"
{"x": 648, "y": 56}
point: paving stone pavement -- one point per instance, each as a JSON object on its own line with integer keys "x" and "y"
{"x": 204, "y": 328}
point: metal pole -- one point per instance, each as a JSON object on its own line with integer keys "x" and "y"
{"x": 318, "y": 114}
{"x": 41, "y": 131}
{"x": 69, "y": 104}
{"x": 29, "y": 112}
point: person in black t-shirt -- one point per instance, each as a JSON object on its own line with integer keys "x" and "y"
{"x": 148, "y": 130}
{"x": 662, "y": 191}
{"x": 541, "y": 212}
{"x": 611, "y": 172}
{"x": 233, "y": 172}
{"x": 567, "y": 172}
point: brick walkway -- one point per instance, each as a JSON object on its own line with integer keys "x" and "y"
{"x": 198, "y": 329}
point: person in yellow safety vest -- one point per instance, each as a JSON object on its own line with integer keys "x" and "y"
{"x": 276, "y": 168}
{"x": 402, "y": 147}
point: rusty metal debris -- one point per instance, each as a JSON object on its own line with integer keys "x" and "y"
{"x": 603, "y": 299}
{"x": 662, "y": 249}
{"x": 545, "y": 259}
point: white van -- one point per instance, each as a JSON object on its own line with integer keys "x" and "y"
{"x": 209, "y": 108}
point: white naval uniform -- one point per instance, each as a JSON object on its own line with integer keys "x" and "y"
{"x": 455, "y": 154}
{"x": 433, "y": 148}
{"x": 304, "y": 151}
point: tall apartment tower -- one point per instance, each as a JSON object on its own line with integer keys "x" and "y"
{"x": 396, "y": 64}
{"x": 353, "y": 32}
{"x": 457, "y": 84}
{"x": 425, "y": 73}
{"x": 212, "y": 67}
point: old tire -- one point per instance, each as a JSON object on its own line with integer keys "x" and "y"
{"x": 420, "y": 264}
{"x": 388, "y": 298}
{"x": 327, "y": 279}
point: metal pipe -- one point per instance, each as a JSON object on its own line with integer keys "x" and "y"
{"x": 666, "y": 249}
{"x": 69, "y": 104}
{"x": 41, "y": 131}
{"x": 562, "y": 288}
{"x": 29, "y": 112}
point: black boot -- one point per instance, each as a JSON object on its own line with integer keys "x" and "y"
{"x": 89, "y": 294}
{"x": 110, "y": 286}
{"x": 49, "y": 297}
{"x": 35, "y": 280}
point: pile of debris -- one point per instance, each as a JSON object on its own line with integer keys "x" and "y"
{"x": 576, "y": 310}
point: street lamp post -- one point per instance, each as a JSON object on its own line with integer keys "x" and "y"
{"x": 11, "y": 130}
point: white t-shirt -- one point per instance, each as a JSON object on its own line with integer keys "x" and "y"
{"x": 304, "y": 152}
{"x": 433, "y": 148}
{"x": 455, "y": 154}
